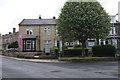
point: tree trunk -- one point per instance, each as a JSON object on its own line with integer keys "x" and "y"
{"x": 97, "y": 41}
{"x": 83, "y": 48}
{"x": 79, "y": 42}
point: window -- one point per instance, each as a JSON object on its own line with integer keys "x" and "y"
{"x": 29, "y": 31}
{"x": 47, "y": 31}
{"x": 47, "y": 46}
{"x": 90, "y": 43}
{"x": 112, "y": 31}
{"x": 47, "y": 41}
{"x": 28, "y": 45}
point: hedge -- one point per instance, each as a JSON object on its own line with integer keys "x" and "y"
{"x": 55, "y": 51}
{"x": 74, "y": 52}
{"x": 104, "y": 50}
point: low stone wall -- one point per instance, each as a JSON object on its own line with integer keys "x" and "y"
{"x": 11, "y": 54}
{"x": 29, "y": 55}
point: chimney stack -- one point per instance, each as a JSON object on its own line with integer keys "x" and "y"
{"x": 54, "y": 17}
{"x": 14, "y": 30}
{"x": 39, "y": 16}
{"x": 9, "y": 32}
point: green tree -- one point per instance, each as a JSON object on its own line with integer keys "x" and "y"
{"x": 13, "y": 45}
{"x": 83, "y": 20}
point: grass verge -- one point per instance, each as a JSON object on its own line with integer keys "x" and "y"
{"x": 85, "y": 57}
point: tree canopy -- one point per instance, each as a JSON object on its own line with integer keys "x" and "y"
{"x": 13, "y": 45}
{"x": 83, "y": 20}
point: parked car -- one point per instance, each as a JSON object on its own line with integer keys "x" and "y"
{"x": 11, "y": 50}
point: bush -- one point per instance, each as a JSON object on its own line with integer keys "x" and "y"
{"x": 76, "y": 52}
{"x": 103, "y": 50}
{"x": 89, "y": 53}
{"x": 64, "y": 47}
{"x": 77, "y": 46}
{"x": 13, "y": 45}
{"x": 55, "y": 51}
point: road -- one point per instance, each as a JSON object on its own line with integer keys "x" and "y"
{"x": 22, "y": 69}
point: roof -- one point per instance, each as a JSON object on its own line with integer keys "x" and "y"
{"x": 27, "y": 22}
{"x": 118, "y": 23}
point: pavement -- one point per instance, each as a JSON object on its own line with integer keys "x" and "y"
{"x": 36, "y": 60}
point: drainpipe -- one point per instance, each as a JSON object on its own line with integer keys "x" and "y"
{"x": 39, "y": 38}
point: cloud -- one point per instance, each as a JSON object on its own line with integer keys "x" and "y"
{"x": 110, "y": 6}
{"x": 14, "y": 11}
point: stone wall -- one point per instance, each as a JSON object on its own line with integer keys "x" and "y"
{"x": 38, "y": 32}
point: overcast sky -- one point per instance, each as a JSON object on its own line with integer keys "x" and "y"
{"x": 12, "y": 12}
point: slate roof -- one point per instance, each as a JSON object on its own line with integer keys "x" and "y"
{"x": 27, "y": 22}
{"x": 118, "y": 23}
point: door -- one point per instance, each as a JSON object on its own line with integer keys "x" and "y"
{"x": 47, "y": 46}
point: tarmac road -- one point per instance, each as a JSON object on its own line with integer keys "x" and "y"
{"x": 23, "y": 69}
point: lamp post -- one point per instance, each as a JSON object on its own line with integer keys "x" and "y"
{"x": 59, "y": 42}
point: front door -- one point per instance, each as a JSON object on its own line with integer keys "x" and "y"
{"x": 47, "y": 46}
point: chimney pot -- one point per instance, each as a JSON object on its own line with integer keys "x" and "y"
{"x": 9, "y": 32}
{"x": 39, "y": 16}
{"x": 14, "y": 30}
{"x": 54, "y": 17}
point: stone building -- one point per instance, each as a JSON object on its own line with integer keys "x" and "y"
{"x": 0, "y": 42}
{"x": 37, "y": 35}
{"x": 118, "y": 34}
{"x": 7, "y": 39}
{"x": 112, "y": 37}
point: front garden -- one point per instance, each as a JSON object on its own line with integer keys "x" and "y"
{"x": 98, "y": 51}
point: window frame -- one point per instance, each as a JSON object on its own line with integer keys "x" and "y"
{"x": 47, "y": 31}
{"x": 29, "y": 31}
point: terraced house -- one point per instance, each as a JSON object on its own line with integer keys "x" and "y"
{"x": 37, "y": 35}
{"x": 118, "y": 35}
{"x": 7, "y": 39}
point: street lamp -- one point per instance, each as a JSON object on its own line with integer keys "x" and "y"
{"x": 59, "y": 48}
